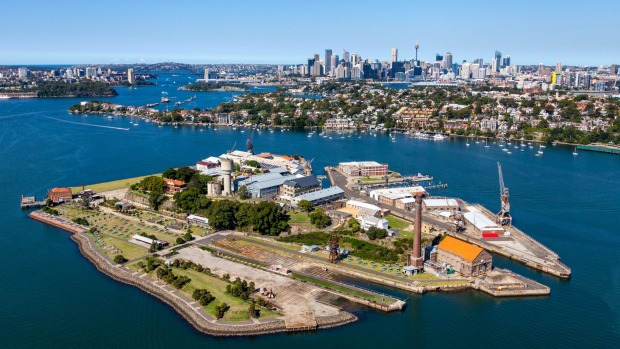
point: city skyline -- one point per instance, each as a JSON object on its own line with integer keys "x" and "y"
{"x": 281, "y": 33}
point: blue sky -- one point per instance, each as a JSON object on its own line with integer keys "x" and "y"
{"x": 287, "y": 32}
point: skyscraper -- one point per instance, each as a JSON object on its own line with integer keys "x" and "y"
{"x": 558, "y": 67}
{"x": 206, "y": 75}
{"x": 438, "y": 57}
{"x": 448, "y": 58}
{"x": 394, "y": 55}
{"x": 328, "y": 61}
{"x": 345, "y": 56}
{"x": 497, "y": 61}
{"x": 130, "y": 76}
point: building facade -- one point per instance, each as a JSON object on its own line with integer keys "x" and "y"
{"x": 466, "y": 259}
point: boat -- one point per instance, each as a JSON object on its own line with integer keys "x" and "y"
{"x": 110, "y": 117}
{"x": 504, "y": 149}
{"x": 575, "y": 152}
{"x": 439, "y": 137}
{"x": 477, "y": 141}
{"x": 543, "y": 146}
{"x": 539, "y": 149}
{"x": 509, "y": 152}
{"x": 486, "y": 143}
{"x": 165, "y": 99}
{"x": 467, "y": 144}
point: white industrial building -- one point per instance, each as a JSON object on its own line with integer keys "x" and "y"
{"x": 484, "y": 225}
{"x": 320, "y": 197}
{"x": 149, "y": 241}
{"x": 370, "y": 221}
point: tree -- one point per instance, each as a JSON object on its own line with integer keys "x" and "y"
{"x": 152, "y": 183}
{"x": 243, "y": 193}
{"x": 188, "y": 236}
{"x": 180, "y": 240}
{"x": 354, "y": 225}
{"x": 305, "y": 205}
{"x": 49, "y": 202}
{"x": 319, "y": 218}
{"x": 170, "y": 173}
{"x": 119, "y": 259}
{"x": 376, "y": 233}
{"x": 220, "y": 310}
{"x": 252, "y": 311}
{"x": 268, "y": 218}
{"x": 221, "y": 214}
{"x": 156, "y": 198}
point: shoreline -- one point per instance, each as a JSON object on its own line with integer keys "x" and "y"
{"x": 184, "y": 307}
{"x": 189, "y": 313}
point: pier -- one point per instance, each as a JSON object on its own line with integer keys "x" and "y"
{"x": 28, "y": 202}
{"x": 601, "y": 148}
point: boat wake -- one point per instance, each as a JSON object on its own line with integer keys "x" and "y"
{"x": 83, "y": 124}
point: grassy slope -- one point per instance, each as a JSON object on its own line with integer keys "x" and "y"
{"x": 118, "y": 184}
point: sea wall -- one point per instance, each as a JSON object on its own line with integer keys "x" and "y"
{"x": 183, "y": 308}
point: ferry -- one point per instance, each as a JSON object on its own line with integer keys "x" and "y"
{"x": 439, "y": 137}
{"x": 165, "y": 99}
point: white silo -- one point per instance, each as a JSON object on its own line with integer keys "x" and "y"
{"x": 227, "y": 168}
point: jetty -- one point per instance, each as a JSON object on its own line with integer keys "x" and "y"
{"x": 601, "y": 148}
{"x": 28, "y": 202}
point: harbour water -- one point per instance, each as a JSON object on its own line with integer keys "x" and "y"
{"x": 52, "y": 297}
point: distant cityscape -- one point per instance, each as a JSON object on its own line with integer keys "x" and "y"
{"x": 497, "y": 70}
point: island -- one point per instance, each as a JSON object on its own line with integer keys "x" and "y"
{"x": 246, "y": 244}
{"x": 217, "y": 86}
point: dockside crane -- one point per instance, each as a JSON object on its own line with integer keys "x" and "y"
{"x": 503, "y": 217}
{"x": 249, "y": 146}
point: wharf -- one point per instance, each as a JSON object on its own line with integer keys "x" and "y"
{"x": 601, "y": 148}
{"x": 28, "y": 202}
{"x": 57, "y": 221}
{"x": 518, "y": 246}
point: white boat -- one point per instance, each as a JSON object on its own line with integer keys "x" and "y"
{"x": 467, "y": 144}
{"x": 504, "y": 149}
{"x": 509, "y": 152}
{"x": 486, "y": 143}
{"x": 575, "y": 152}
{"x": 477, "y": 141}
{"x": 439, "y": 137}
{"x": 543, "y": 146}
{"x": 110, "y": 117}
{"x": 539, "y": 150}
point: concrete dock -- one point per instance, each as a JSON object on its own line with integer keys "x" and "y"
{"x": 517, "y": 246}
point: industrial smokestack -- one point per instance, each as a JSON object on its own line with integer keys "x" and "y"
{"x": 415, "y": 258}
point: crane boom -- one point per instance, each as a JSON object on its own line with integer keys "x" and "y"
{"x": 503, "y": 217}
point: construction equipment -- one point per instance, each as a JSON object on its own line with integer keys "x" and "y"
{"x": 334, "y": 246}
{"x": 248, "y": 144}
{"x": 232, "y": 149}
{"x": 503, "y": 217}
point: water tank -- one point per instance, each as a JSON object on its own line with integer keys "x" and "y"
{"x": 227, "y": 164}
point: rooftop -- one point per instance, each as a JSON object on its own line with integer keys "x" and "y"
{"x": 460, "y": 248}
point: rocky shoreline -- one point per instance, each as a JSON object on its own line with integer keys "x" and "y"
{"x": 184, "y": 309}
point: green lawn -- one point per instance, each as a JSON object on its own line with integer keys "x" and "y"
{"x": 118, "y": 184}
{"x": 238, "y": 308}
{"x": 129, "y": 250}
{"x": 396, "y": 223}
{"x": 298, "y": 217}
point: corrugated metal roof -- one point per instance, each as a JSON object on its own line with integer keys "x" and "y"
{"x": 460, "y": 248}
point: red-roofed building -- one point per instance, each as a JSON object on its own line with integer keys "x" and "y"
{"x": 465, "y": 258}
{"x": 175, "y": 185}
{"x": 58, "y": 195}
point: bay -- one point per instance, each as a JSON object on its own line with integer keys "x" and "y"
{"x": 52, "y": 297}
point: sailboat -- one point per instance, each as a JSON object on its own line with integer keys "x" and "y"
{"x": 539, "y": 150}
{"x": 486, "y": 143}
{"x": 575, "y": 152}
{"x": 467, "y": 144}
{"x": 477, "y": 141}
